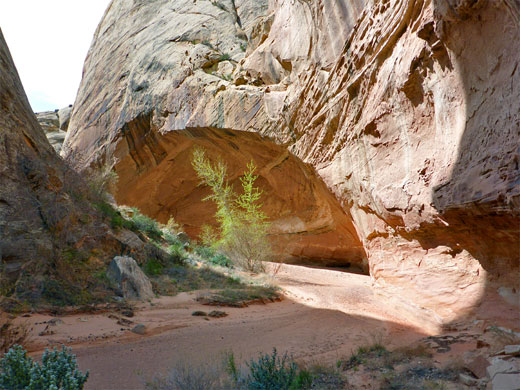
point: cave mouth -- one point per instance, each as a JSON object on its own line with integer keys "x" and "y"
{"x": 308, "y": 225}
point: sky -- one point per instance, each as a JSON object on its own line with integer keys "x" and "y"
{"x": 49, "y": 40}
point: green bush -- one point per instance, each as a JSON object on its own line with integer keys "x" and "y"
{"x": 117, "y": 221}
{"x": 272, "y": 372}
{"x": 153, "y": 267}
{"x": 220, "y": 259}
{"x": 178, "y": 252}
{"x": 146, "y": 225}
{"x": 170, "y": 238}
{"x": 58, "y": 371}
{"x": 205, "y": 252}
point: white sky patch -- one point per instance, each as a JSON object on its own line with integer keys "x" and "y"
{"x": 49, "y": 40}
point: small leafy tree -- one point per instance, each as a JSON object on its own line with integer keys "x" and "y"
{"x": 243, "y": 225}
{"x": 58, "y": 371}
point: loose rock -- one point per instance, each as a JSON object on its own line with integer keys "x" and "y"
{"x": 131, "y": 279}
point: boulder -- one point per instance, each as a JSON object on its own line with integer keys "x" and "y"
{"x": 64, "y": 115}
{"x": 56, "y": 139}
{"x": 132, "y": 281}
{"x": 139, "y": 329}
{"x": 478, "y": 366}
{"x": 48, "y": 120}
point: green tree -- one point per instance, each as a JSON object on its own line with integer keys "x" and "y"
{"x": 243, "y": 225}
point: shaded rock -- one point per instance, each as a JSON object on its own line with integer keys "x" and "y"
{"x": 130, "y": 278}
{"x": 217, "y": 314}
{"x": 468, "y": 380}
{"x": 43, "y": 204}
{"x": 513, "y": 350}
{"x": 139, "y": 329}
{"x": 64, "y": 115}
{"x": 478, "y": 366}
{"x": 199, "y": 313}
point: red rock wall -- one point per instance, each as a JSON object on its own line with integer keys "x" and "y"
{"x": 416, "y": 131}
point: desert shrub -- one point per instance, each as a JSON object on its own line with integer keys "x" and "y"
{"x": 101, "y": 181}
{"x": 268, "y": 372}
{"x": 243, "y": 227}
{"x": 60, "y": 292}
{"x": 208, "y": 236}
{"x": 173, "y": 226}
{"x": 272, "y": 372}
{"x": 153, "y": 267}
{"x": 117, "y": 220}
{"x": 220, "y": 259}
{"x": 58, "y": 371}
{"x": 177, "y": 251}
{"x": 224, "y": 57}
{"x": 146, "y": 224}
{"x": 213, "y": 256}
{"x": 238, "y": 296}
{"x": 170, "y": 238}
{"x": 364, "y": 354}
{"x": 186, "y": 376}
{"x": 205, "y": 252}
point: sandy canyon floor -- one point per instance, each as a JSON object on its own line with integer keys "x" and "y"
{"x": 325, "y": 315}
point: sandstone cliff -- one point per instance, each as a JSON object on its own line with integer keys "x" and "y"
{"x": 417, "y": 129}
{"x": 406, "y": 110}
{"x": 162, "y": 76}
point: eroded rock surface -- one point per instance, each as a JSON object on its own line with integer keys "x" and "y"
{"x": 407, "y": 110}
{"x": 172, "y": 78}
{"x": 417, "y": 128}
{"x": 51, "y": 237}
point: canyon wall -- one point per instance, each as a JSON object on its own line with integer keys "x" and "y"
{"x": 401, "y": 118}
{"x": 162, "y": 77}
{"x": 416, "y": 130}
{"x": 46, "y": 221}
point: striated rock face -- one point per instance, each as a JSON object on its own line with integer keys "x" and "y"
{"x": 406, "y": 110}
{"x": 161, "y": 77}
{"x": 416, "y": 129}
